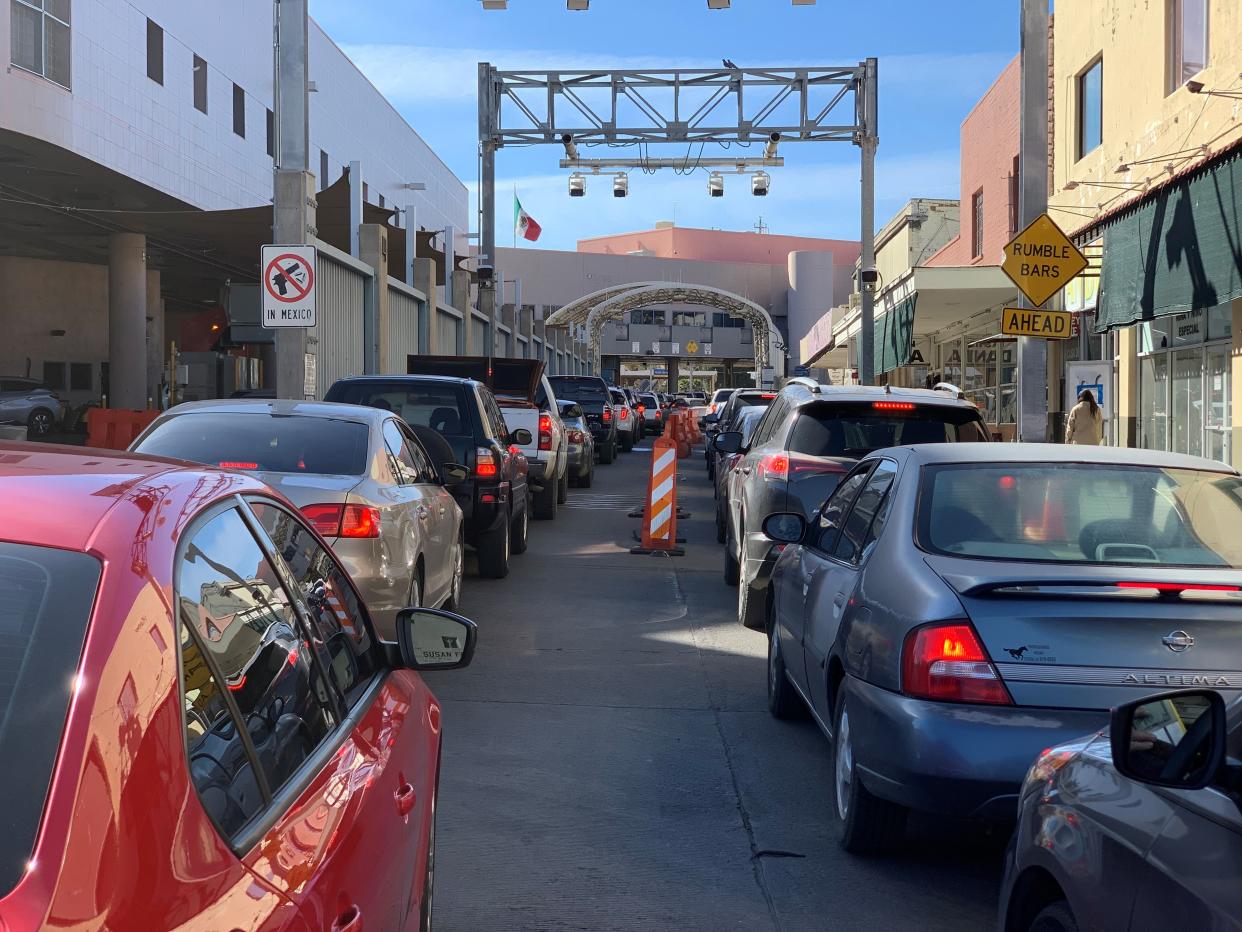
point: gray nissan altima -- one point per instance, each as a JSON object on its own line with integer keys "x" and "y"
{"x": 954, "y": 609}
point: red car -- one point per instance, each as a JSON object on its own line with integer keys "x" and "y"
{"x": 199, "y": 727}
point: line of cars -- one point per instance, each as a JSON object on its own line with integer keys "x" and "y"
{"x": 209, "y": 668}
{"x": 956, "y": 615}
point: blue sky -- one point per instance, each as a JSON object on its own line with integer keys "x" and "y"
{"x": 936, "y": 60}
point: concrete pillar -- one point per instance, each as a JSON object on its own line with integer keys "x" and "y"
{"x": 373, "y": 250}
{"x": 127, "y": 320}
{"x": 461, "y": 301}
{"x": 429, "y": 327}
{"x": 1127, "y": 387}
{"x": 1235, "y": 383}
{"x": 155, "y": 338}
{"x": 294, "y": 223}
{"x": 526, "y": 320}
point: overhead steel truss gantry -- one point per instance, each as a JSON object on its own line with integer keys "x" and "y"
{"x": 722, "y": 106}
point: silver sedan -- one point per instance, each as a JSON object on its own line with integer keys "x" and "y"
{"x": 358, "y": 474}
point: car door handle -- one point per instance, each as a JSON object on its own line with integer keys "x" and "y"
{"x": 745, "y": 470}
{"x": 405, "y": 799}
{"x": 348, "y": 921}
{"x": 423, "y": 513}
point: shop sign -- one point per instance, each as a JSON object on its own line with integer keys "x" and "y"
{"x": 1026, "y": 322}
{"x": 1041, "y": 260}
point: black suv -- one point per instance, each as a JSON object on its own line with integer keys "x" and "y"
{"x": 592, "y": 394}
{"x": 458, "y": 420}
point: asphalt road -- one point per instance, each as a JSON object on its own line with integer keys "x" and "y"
{"x": 610, "y": 764}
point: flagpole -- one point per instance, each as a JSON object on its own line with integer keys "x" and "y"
{"x": 515, "y": 222}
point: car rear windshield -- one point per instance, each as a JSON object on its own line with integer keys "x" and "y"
{"x": 618, "y": 398}
{"x": 857, "y": 428}
{"x": 438, "y": 405}
{"x": 649, "y": 400}
{"x": 262, "y": 441}
{"x": 45, "y": 604}
{"x": 747, "y": 401}
{"x": 581, "y": 390}
{"x": 1071, "y": 513}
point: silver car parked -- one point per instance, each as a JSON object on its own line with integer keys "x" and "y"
{"x": 360, "y": 476}
{"x": 30, "y": 402}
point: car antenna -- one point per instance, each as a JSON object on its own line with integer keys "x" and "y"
{"x": 888, "y": 389}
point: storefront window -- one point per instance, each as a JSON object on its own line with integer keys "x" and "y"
{"x": 1154, "y": 394}
{"x": 1218, "y": 413}
{"x": 1187, "y": 413}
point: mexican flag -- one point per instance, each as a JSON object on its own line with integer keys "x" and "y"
{"x": 523, "y": 223}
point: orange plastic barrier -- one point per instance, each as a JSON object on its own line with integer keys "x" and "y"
{"x": 660, "y": 514}
{"x": 116, "y": 428}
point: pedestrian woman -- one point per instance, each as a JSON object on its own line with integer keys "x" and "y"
{"x": 1086, "y": 423}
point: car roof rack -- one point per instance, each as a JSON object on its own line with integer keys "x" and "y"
{"x": 805, "y": 381}
{"x": 950, "y": 388}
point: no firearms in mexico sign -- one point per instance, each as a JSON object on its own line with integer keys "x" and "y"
{"x": 288, "y": 286}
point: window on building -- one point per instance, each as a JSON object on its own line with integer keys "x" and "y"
{"x": 200, "y": 85}
{"x": 1015, "y": 195}
{"x": 80, "y": 377}
{"x": 1090, "y": 107}
{"x": 366, "y": 192}
{"x": 324, "y": 169}
{"x": 1187, "y": 40}
{"x": 155, "y": 52}
{"x": 239, "y": 111}
{"x": 381, "y": 201}
{"x": 976, "y": 224}
{"x": 54, "y": 375}
{"x": 40, "y": 38}
{"x": 271, "y": 134}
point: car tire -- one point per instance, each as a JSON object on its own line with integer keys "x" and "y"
{"x": 732, "y": 571}
{"x": 545, "y": 502}
{"x": 608, "y": 453}
{"x": 40, "y": 422}
{"x": 562, "y": 488}
{"x": 720, "y": 525}
{"x": 783, "y": 702}
{"x": 493, "y": 552}
{"x": 1055, "y": 917}
{"x": 519, "y": 533}
{"x": 865, "y": 823}
{"x": 452, "y": 601}
{"x": 415, "y": 599}
{"x": 585, "y": 481}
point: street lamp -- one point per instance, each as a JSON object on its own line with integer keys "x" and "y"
{"x": 715, "y": 184}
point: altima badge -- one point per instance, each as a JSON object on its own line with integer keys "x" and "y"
{"x": 1178, "y": 641}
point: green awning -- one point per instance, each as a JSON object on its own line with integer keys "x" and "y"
{"x": 894, "y": 336}
{"x": 1180, "y": 251}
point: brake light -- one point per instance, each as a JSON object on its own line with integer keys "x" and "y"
{"x": 545, "y": 432}
{"x": 485, "y": 465}
{"x": 575, "y": 436}
{"x": 337, "y": 520}
{"x": 642, "y": 409}
{"x": 774, "y": 466}
{"x": 948, "y": 663}
{"x": 1178, "y": 587}
{"x": 893, "y": 405}
{"x": 607, "y": 416}
{"x": 236, "y": 464}
{"x": 782, "y": 466}
{"x": 625, "y": 414}
{"x": 768, "y": 396}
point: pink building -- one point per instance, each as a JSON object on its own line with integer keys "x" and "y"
{"x": 674, "y": 242}
{"x": 989, "y": 193}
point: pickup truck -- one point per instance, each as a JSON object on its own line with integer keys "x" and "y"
{"x": 527, "y": 402}
{"x": 591, "y": 393}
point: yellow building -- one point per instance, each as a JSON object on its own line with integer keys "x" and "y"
{"x": 1147, "y": 171}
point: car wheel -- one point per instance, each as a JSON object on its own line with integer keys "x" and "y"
{"x": 608, "y": 453}
{"x": 732, "y": 572}
{"x": 493, "y": 552}
{"x": 1055, "y": 917}
{"x": 545, "y": 502}
{"x": 585, "y": 481}
{"x": 865, "y": 823}
{"x": 416, "y": 593}
{"x": 562, "y": 488}
{"x": 40, "y": 422}
{"x": 429, "y": 880}
{"x": 453, "y": 602}
{"x": 720, "y": 525}
{"x": 519, "y": 537}
{"x": 783, "y": 701}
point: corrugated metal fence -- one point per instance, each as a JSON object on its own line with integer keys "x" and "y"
{"x": 340, "y": 294}
{"x": 404, "y": 307}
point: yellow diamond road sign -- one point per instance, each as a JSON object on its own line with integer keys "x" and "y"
{"x": 1041, "y": 260}
{"x": 692, "y": 347}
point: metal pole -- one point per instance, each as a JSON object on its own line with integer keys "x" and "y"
{"x": 293, "y": 220}
{"x": 411, "y": 242}
{"x": 1033, "y": 162}
{"x": 450, "y": 266}
{"x": 487, "y": 202}
{"x": 868, "y": 142}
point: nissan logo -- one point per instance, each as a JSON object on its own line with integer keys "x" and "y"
{"x": 1178, "y": 641}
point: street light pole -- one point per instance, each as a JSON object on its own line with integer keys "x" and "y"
{"x": 487, "y": 206}
{"x": 1033, "y": 201}
{"x": 868, "y": 141}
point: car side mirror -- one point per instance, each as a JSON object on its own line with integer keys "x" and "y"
{"x": 729, "y": 441}
{"x": 521, "y": 437}
{"x": 784, "y": 527}
{"x": 1174, "y": 739}
{"x": 430, "y": 639}
{"x": 454, "y": 473}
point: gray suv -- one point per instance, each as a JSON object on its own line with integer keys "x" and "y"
{"x": 30, "y": 402}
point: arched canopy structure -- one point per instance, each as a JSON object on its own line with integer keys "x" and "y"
{"x": 594, "y": 310}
